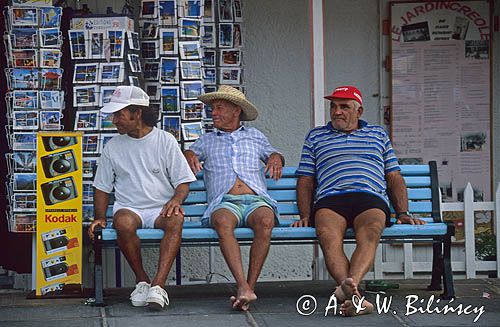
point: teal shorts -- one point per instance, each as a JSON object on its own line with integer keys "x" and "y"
{"x": 242, "y": 206}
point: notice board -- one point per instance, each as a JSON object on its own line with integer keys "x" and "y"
{"x": 441, "y": 104}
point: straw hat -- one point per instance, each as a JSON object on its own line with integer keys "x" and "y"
{"x": 228, "y": 93}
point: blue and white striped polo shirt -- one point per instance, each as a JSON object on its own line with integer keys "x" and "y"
{"x": 348, "y": 162}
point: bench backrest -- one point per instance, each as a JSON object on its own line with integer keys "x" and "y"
{"x": 421, "y": 182}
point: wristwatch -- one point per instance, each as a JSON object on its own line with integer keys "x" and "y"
{"x": 403, "y": 213}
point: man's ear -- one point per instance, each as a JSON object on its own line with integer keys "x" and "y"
{"x": 361, "y": 109}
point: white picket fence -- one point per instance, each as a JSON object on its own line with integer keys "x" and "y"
{"x": 415, "y": 261}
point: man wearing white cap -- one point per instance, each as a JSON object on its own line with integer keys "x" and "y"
{"x": 150, "y": 178}
{"x": 236, "y": 187}
{"x": 350, "y": 169}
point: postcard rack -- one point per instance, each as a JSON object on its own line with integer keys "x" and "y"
{"x": 34, "y": 100}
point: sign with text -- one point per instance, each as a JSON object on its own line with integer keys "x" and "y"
{"x": 59, "y": 211}
{"x": 441, "y": 91}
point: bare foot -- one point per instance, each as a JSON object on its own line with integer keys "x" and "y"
{"x": 349, "y": 288}
{"x": 339, "y": 294}
{"x": 242, "y": 300}
{"x": 348, "y": 309}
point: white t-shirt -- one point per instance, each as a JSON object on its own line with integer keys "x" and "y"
{"x": 144, "y": 172}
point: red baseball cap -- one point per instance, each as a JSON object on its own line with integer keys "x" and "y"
{"x": 346, "y": 92}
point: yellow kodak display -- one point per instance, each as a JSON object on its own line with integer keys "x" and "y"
{"x": 59, "y": 211}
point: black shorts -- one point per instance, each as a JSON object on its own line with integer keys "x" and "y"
{"x": 350, "y": 205}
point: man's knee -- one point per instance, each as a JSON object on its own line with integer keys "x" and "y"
{"x": 223, "y": 222}
{"x": 125, "y": 222}
{"x": 173, "y": 223}
{"x": 262, "y": 220}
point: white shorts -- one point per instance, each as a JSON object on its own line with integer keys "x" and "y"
{"x": 148, "y": 216}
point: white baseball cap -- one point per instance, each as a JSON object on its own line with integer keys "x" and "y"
{"x": 124, "y": 96}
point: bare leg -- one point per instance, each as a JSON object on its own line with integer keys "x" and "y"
{"x": 368, "y": 227}
{"x": 169, "y": 245}
{"x": 126, "y": 224}
{"x": 224, "y": 223}
{"x": 262, "y": 222}
{"x": 330, "y": 229}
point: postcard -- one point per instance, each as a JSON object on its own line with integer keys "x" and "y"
{"x": 230, "y": 76}
{"x": 167, "y": 12}
{"x": 225, "y": 35}
{"x": 24, "y": 99}
{"x": 153, "y": 90}
{"x": 150, "y": 50}
{"x": 191, "y": 69}
{"x": 25, "y": 120}
{"x": 116, "y": 43}
{"x": 133, "y": 40}
{"x": 51, "y": 99}
{"x": 51, "y": 78}
{"x": 191, "y": 131}
{"x": 24, "y": 182}
{"x": 208, "y": 10}
{"x": 97, "y": 39}
{"x": 87, "y": 192}
{"x": 151, "y": 70}
{"x": 190, "y": 49}
{"x": 210, "y": 76}
{"x": 50, "y": 120}
{"x": 168, "y": 41}
{"x": 24, "y": 161}
{"x": 23, "y": 38}
{"x": 88, "y": 212}
{"x": 23, "y": 16}
{"x": 85, "y": 73}
{"x": 191, "y": 90}
{"x": 106, "y": 93}
{"x": 225, "y": 10}
{"x": 104, "y": 139}
{"x": 50, "y": 37}
{"x": 172, "y": 124}
{"x": 89, "y": 166}
{"x": 112, "y": 72}
{"x": 169, "y": 72}
{"x": 90, "y": 143}
{"x": 78, "y": 43}
{"x": 24, "y": 141}
{"x": 26, "y": 58}
{"x": 192, "y": 110}
{"x": 190, "y": 8}
{"x": 134, "y": 81}
{"x": 50, "y": 16}
{"x": 209, "y": 58}
{"x": 189, "y": 28}
{"x": 87, "y": 120}
{"x": 170, "y": 99}
{"x": 86, "y": 96}
{"x": 106, "y": 122}
{"x": 149, "y": 29}
{"x": 208, "y": 35}
{"x": 237, "y": 36}
{"x": 237, "y": 11}
{"x": 149, "y": 9}
{"x": 230, "y": 57}
{"x": 50, "y": 58}
{"x": 24, "y": 202}
{"x": 23, "y": 78}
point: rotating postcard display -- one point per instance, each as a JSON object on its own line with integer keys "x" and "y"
{"x": 105, "y": 54}
{"x": 189, "y": 47}
{"x": 34, "y": 99}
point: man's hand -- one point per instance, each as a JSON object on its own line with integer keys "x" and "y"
{"x": 274, "y": 166}
{"x": 171, "y": 207}
{"x": 405, "y": 219}
{"x": 100, "y": 222}
{"x": 303, "y": 222}
{"x": 193, "y": 161}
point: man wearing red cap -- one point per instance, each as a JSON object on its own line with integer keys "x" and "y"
{"x": 347, "y": 173}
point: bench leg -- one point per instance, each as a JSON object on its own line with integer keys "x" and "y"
{"x": 98, "y": 275}
{"x": 449, "y": 290}
{"x": 178, "y": 268}
{"x": 437, "y": 267}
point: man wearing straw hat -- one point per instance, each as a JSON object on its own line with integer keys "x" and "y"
{"x": 232, "y": 159}
{"x": 350, "y": 169}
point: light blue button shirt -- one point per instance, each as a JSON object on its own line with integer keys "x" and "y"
{"x": 227, "y": 156}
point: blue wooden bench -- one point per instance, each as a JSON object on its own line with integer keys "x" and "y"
{"x": 423, "y": 193}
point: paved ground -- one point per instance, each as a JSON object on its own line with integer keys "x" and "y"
{"x": 208, "y": 305}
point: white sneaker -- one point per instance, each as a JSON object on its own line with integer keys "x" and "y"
{"x": 139, "y": 295}
{"x": 157, "y": 297}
